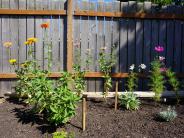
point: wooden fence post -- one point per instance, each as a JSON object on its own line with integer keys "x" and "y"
{"x": 69, "y": 35}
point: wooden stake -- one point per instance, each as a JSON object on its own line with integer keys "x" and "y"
{"x": 84, "y": 114}
{"x": 69, "y": 35}
{"x": 116, "y": 97}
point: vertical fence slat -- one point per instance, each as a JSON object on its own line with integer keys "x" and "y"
{"x": 131, "y": 34}
{"x": 62, "y": 38}
{"x": 92, "y": 42}
{"x": 30, "y": 22}
{"x": 22, "y": 30}
{"x": 39, "y": 35}
{"x": 116, "y": 34}
{"x": 123, "y": 44}
{"x": 100, "y": 43}
{"x": 177, "y": 42}
{"x": 162, "y": 32}
{"x": 147, "y": 42}
{"x": 6, "y": 85}
{"x": 14, "y": 25}
{"x": 84, "y": 36}
{"x": 55, "y": 38}
{"x": 170, "y": 40}
{"x": 139, "y": 42}
{"x": 154, "y": 32}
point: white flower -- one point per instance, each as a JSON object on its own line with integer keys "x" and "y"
{"x": 103, "y": 48}
{"x": 161, "y": 58}
{"x": 132, "y": 67}
{"x": 142, "y": 66}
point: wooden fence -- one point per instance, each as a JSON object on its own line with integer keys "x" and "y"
{"x": 134, "y": 28}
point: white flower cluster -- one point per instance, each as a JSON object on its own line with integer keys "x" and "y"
{"x": 141, "y": 67}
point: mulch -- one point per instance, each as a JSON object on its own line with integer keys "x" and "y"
{"x": 102, "y": 121}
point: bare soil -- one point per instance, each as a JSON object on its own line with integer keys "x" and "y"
{"x": 102, "y": 121}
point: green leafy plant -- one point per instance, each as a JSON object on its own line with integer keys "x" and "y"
{"x": 132, "y": 79}
{"x": 56, "y": 101}
{"x": 173, "y": 82}
{"x": 40, "y": 90}
{"x": 63, "y": 101}
{"x": 168, "y": 115}
{"x": 129, "y": 101}
{"x": 156, "y": 73}
{"x": 156, "y": 79}
{"x": 106, "y": 62}
{"x": 63, "y": 134}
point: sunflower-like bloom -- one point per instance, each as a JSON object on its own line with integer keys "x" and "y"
{"x": 45, "y": 25}
{"x": 7, "y": 44}
{"x": 12, "y": 61}
{"x": 31, "y": 40}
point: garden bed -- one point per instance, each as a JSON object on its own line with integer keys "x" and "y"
{"x": 102, "y": 121}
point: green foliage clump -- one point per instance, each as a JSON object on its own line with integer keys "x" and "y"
{"x": 63, "y": 134}
{"x": 56, "y": 101}
{"x": 132, "y": 81}
{"x": 168, "y": 115}
{"x": 63, "y": 102}
{"x": 163, "y": 2}
{"x": 156, "y": 79}
{"x": 173, "y": 82}
{"x": 106, "y": 62}
{"x": 24, "y": 78}
{"x": 129, "y": 101}
{"x": 40, "y": 90}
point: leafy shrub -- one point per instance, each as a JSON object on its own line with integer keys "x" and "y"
{"x": 156, "y": 79}
{"x": 63, "y": 102}
{"x": 173, "y": 82}
{"x": 63, "y": 134}
{"x": 106, "y": 62}
{"x": 132, "y": 79}
{"x": 130, "y": 101}
{"x": 168, "y": 115}
{"x": 40, "y": 90}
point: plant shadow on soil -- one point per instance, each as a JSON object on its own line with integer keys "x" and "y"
{"x": 27, "y": 116}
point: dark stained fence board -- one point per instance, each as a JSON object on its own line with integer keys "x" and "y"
{"x": 139, "y": 42}
{"x": 123, "y": 44}
{"x": 147, "y": 42}
{"x": 177, "y": 42}
{"x": 131, "y": 34}
{"x": 170, "y": 40}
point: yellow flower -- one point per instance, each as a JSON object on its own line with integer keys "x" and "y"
{"x": 26, "y": 43}
{"x": 7, "y": 44}
{"x": 31, "y": 40}
{"x": 12, "y": 61}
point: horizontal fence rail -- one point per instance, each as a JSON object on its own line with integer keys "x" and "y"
{"x": 141, "y": 15}
{"x": 87, "y": 75}
{"x": 133, "y": 27}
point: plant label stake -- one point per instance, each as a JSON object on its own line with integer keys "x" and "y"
{"x": 84, "y": 113}
{"x": 116, "y": 96}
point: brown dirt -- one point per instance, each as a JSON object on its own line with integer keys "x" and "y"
{"x": 102, "y": 122}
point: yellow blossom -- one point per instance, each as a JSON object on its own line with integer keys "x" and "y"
{"x": 31, "y": 40}
{"x": 12, "y": 61}
{"x": 7, "y": 44}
